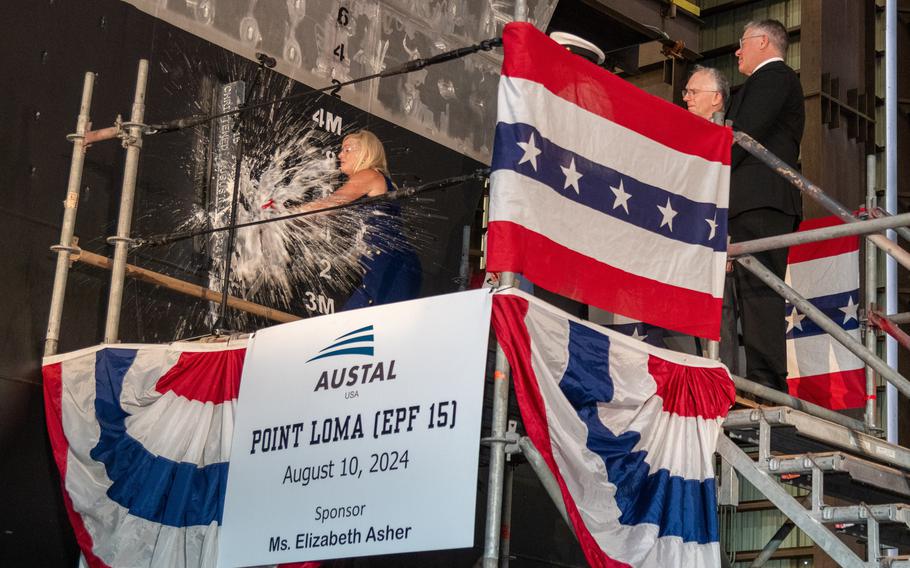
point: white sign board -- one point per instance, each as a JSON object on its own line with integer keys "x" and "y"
{"x": 357, "y": 434}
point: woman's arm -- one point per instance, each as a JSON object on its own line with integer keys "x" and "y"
{"x": 364, "y": 182}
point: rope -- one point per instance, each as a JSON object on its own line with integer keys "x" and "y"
{"x": 406, "y": 67}
{"x": 168, "y": 238}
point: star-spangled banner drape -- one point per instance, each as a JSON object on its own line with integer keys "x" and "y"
{"x": 820, "y": 369}
{"x": 604, "y": 193}
{"x": 628, "y": 430}
{"x": 141, "y": 435}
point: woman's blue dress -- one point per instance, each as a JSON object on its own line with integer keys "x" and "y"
{"x": 392, "y": 268}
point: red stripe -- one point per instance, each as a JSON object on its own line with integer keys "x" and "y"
{"x": 206, "y": 376}
{"x": 707, "y": 392}
{"x": 531, "y": 55}
{"x": 513, "y": 248}
{"x": 837, "y": 391}
{"x": 822, "y": 249}
{"x": 508, "y": 323}
{"x": 53, "y": 414}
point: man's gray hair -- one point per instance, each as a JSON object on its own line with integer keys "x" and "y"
{"x": 721, "y": 83}
{"x": 776, "y": 32}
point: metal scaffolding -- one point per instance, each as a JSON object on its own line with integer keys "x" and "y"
{"x": 796, "y": 437}
{"x": 70, "y": 205}
{"x": 828, "y": 430}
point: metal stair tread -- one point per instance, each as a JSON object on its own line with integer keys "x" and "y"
{"x": 887, "y": 513}
{"x": 795, "y": 432}
{"x": 892, "y": 521}
{"x": 882, "y": 477}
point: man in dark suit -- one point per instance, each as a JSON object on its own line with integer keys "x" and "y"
{"x": 769, "y": 107}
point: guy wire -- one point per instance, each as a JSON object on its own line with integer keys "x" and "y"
{"x": 405, "y": 192}
{"x": 406, "y": 67}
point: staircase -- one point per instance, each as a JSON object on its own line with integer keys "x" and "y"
{"x": 831, "y": 460}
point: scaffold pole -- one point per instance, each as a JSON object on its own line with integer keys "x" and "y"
{"x": 70, "y": 206}
{"x": 871, "y": 267}
{"x": 546, "y": 477}
{"x": 133, "y": 144}
{"x": 500, "y": 417}
{"x": 497, "y": 449}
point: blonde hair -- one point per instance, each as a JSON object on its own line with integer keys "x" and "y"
{"x": 372, "y": 155}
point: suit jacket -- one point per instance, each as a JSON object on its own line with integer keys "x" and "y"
{"x": 770, "y": 108}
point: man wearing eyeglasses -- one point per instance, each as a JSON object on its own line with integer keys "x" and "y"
{"x": 768, "y": 107}
{"x": 706, "y": 92}
{"x": 706, "y": 95}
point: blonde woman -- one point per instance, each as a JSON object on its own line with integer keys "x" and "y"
{"x": 362, "y": 159}
{"x": 392, "y": 270}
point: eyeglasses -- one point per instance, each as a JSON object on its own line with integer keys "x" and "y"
{"x": 742, "y": 39}
{"x": 693, "y": 92}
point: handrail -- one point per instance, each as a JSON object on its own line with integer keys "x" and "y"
{"x": 816, "y": 193}
{"x": 868, "y": 227}
{"x": 825, "y": 323}
{"x": 182, "y": 287}
{"x": 783, "y": 399}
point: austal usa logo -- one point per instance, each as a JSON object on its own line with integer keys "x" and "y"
{"x": 357, "y": 342}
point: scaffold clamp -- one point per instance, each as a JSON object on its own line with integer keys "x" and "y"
{"x": 510, "y": 439}
{"x": 114, "y": 239}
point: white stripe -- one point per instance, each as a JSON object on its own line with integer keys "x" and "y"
{"x": 666, "y": 437}
{"x": 183, "y": 440}
{"x": 825, "y": 276}
{"x": 189, "y": 346}
{"x": 633, "y": 385}
{"x": 616, "y": 338}
{"x": 120, "y": 539}
{"x": 669, "y": 439}
{"x": 605, "y": 142}
{"x": 614, "y": 242}
{"x": 819, "y": 354}
{"x": 672, "y": 551}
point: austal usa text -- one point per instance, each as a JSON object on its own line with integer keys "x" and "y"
{"x": 356, "y": 375}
